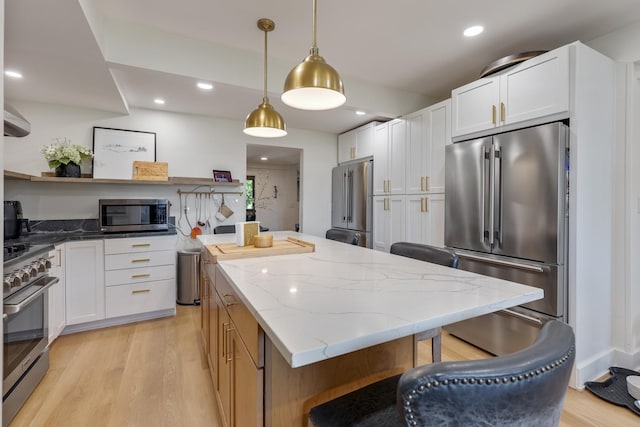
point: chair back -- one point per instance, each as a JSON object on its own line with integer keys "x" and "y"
{"x": 523, "y": 388}
{"x": 433, "y": 254}
{"x": 346, "y": 236}
{"x": 224, "y": 229}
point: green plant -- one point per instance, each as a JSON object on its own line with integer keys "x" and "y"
{"x": 62, "y": 152}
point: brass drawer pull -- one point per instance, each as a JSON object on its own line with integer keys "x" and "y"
{"x": 140, "y": 245}
{"x": 139, "y": 276}
{"x": 502, "y": 112}
{"x": 141, "y": 291}
{"x": 228, "y": 304}
{"x": 493, "y": 115}
{"x": 141, "y": 260}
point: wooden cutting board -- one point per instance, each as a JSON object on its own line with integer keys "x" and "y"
{"x": 224, "y": 251}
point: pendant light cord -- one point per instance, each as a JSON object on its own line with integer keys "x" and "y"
{"x": 314, "y": 46}
{"x": 265, "y": 98}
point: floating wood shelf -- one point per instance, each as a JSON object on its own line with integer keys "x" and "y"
{"x": 173, "y": 180}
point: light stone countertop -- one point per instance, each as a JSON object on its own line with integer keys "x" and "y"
{"x": 342, "y": 298}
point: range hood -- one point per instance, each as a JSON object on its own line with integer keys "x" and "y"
{"x": 14, "y": 123}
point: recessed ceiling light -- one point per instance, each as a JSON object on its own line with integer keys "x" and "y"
{"x": 360, "y": 113}
{"x": 13, "y": 74}
{"x": 205, "y": 86}
{"x": 473, "y": 31}
{"x": 264, "y": 158}
{"x": 159, "y": 101}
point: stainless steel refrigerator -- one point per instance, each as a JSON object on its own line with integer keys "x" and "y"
{"x": 506, "y": 215}
{"x": 352, "y": 201}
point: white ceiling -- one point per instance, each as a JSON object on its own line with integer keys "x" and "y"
{"x": 394, "y": 56}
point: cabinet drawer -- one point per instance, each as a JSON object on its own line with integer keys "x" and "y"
{"x": 140, "y": 259}
{"x": 139, "y": 244}
{"x": 130, "y": 299}
{"x": 246, "y": 325}
{"x": 142, "y": 274}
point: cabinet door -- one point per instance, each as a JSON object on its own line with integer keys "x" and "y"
{"x": 247, "y": 386}
{"x": 213, "y": 330}
{"x": 380, "y": 235}
{"x": 435, "y": 215}
{"x": 346, "y": 146}
{"x": 380, "y": 158}
{"x": 536, "y": 88}
{"x": 84, "y": 268}
{"x": 223, "y": 361}
{"x": 474, "y": 106}
{"x": 438, "y": 136}
{"x": 57, "y": 298}
{"x": 397, "y": 156}
{"x": 397, "y": 216}
{"x": 204, "y": 307}
{"x": 415, "y": 231}
{"x": 364, "y": 141}
{"x": 417, "y": 151}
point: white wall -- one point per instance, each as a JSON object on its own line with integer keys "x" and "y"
{"x": 192, "y": 145}
{"x": 623, "y": 46}
{"x": 276, "y": 211}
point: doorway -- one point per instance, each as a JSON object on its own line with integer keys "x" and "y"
{"x": 273, "y": 186}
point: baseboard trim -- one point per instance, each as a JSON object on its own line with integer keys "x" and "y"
{"x": 117, "y": 321}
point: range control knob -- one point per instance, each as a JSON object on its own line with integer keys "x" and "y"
{"x": 46, "y": 262}
{"x": 24, "y": 275}
{"x": 39, "y": 266}
{"x": 13, "y": 280}
{"x": 32, "y": 269}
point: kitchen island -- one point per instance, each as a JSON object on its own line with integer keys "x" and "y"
{"x": 285, "y": 331}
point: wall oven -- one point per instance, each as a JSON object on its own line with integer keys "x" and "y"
{"x": 124, "y": 215}
{"x": 25, "y": 323}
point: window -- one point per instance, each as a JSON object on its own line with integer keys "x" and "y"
{"x": 249, "y": 191}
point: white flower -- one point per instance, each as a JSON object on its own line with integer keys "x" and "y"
{"x": 63, "y": 153}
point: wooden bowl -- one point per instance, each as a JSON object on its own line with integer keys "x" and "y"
{"x": 263, "y": 241}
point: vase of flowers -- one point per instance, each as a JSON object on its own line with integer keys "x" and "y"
{"x": 65, "y": 157}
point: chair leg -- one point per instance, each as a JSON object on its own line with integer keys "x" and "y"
{"x": 435, "y": 335}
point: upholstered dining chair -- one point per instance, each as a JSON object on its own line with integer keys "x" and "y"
{"x": 345, "y": 236}
{"x": 435, "y": 255}
{"x": 526, "y": 388}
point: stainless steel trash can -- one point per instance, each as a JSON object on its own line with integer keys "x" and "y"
{"x": 189, "y": 277}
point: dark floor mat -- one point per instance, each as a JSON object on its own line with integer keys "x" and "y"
{"x": 614, "y": 389}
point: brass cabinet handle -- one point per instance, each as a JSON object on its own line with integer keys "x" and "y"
{"x": 59, "y": 257}
{"x": 228, "y": 304}
{"x": 140, "y": 291}
{"x": 229, "y": 354}
{"x": 502, "y": 112}
{"x": 426, "y": 184}
{"x": 224, "y": 339}
{"x": 421, "y": 204}
{"x": 426, "y": 204}
{"x": 140, "y": 245}
{"x": 139, "y": 276}
{"x": 141, "y": 260}
{"x": 422, "y": 183}
{"x": 386, "y": 204}
{"x": 493, "y": 115}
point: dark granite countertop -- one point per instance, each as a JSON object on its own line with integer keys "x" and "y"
{"x": 64, "y": 230}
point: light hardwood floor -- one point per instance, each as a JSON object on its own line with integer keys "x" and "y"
{"x": 154, "y": 373}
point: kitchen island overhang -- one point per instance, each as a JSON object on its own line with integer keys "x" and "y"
{"x": 343, "y": 298}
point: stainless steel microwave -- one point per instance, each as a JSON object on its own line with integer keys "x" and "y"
{"x": 122, "y": 215}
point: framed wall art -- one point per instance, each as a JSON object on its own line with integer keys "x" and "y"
{"x": 115, "y": 150}
{"x": 221, "y": 176}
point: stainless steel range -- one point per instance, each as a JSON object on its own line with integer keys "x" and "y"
{"x": 25, "y": 314}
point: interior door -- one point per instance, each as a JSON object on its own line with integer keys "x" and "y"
{"x": 467, "y": 180}
{"x": 339, "y": 194}
{"x": 530, "y": 192}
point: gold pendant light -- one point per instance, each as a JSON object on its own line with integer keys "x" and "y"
{"x": 313, "y": 84}
{"x": 265, "y": 121}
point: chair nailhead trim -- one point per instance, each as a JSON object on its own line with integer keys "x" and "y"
{"x": 410, "y": 418}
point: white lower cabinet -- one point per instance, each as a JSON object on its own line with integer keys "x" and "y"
{"x": 140, "y": 275}
{"x": 425, "y": 219}
{"x": 57, "y": 294}
{"x": 84, "y": 284}
{"x": 388, "y": 221}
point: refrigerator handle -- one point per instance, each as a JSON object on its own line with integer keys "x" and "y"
{"x": 483, "y": 226}
{"x": 346, "y": 197}
{"x": 350, "y": 183}
{"x": 492, "y": 195}
{"x": 498, "y": 195}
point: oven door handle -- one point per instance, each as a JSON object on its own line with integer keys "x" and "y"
{"x": 15, "y": 308}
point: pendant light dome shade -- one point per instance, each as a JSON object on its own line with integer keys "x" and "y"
{"x": 313, "y": 84}
{"x": 265, "y": 121}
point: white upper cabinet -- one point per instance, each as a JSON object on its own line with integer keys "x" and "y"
{"x": 356, "y": 144}
{"x": 389, "y": 155}
{"x": 535, "y": 89}
{"x": 428, "y": 131}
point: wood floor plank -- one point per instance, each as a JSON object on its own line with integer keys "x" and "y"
{"x": 155, "y": 373}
